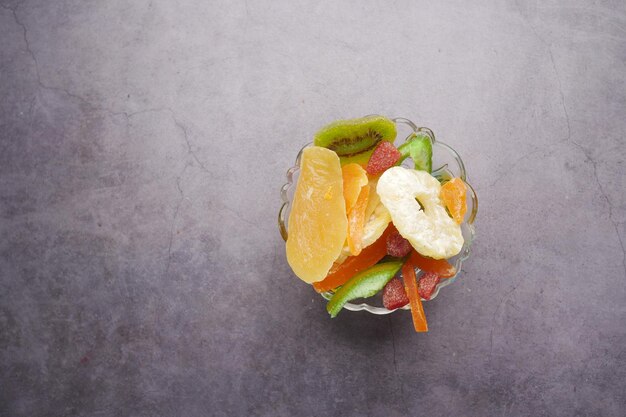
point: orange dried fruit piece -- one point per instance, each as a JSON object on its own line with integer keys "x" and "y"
{"x": 373, "y": 201}
{"x": 441, "y": 267}
{"x": 376, "y": 222}
{"x": 410, "y": 285}
{"x": 354, "y": 178}
{"x": 318, "y": 223}
{"x": 341, "y": 273}
{"x": 453, "y": 194}
{"x": 356, "y": 222}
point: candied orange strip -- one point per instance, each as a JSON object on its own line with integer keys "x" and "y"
{"x": 410, "y": 285}
{"x": 356, "y": 222}
{"x": 341, "y": 273}
{"x": 440, "y": 267}
{"x": 354, "y": 178}
{"x": 454, "y": 196}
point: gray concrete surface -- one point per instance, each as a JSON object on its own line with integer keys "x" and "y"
{"x": 142, "y": 147}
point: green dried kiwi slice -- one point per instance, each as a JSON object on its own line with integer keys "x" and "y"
{"x": 354, "y": 140}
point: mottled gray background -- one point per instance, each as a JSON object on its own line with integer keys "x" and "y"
{"x": 142, "y": 147}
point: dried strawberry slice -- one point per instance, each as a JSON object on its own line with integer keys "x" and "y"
{"x": 427, "y": 284}
{"x": 394, "y": 295}
{"x": 397, "y": 245}
{"x": 384, "y": 156}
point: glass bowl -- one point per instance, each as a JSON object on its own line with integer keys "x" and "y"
{"x": 446, "y": 164}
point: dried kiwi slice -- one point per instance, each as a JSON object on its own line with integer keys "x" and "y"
{"x": 354, "y": 140}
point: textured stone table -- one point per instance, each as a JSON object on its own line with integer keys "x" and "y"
{"x": 142, "y": 147}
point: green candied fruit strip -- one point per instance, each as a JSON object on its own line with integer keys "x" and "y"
{"x": 364, "y": 284}
{"x": 420, "y": 149}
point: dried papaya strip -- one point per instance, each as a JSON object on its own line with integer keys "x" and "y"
{"x": 354, "y": 264}
{"x": 410, "y": 285}
{"x": 440, "y": 267}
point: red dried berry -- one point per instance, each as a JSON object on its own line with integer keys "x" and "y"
{"x": 384, "y": 156}
{"x": 394, "y": 295}
{"x": 427, "y": 284}
{"x": 397, "y": 245}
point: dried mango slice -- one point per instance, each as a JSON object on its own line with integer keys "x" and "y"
{"x": 430, "y": 230}
{"x": 317, "y": 222}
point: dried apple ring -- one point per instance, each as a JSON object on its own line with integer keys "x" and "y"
{"x": 412, "y": 199}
